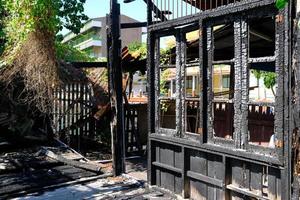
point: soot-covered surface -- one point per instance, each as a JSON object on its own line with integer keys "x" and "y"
{"x": 25, "y": 170}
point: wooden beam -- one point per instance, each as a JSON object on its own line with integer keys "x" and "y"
{"x": 87, "y": 166}
{"x": 133, "y": 25}
{"x": 89, "y": 64}
{"x": 115, "y": 84}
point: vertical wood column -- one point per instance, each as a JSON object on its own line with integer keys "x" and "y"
{"x": 151, "y": 99}
{"x": 238, "y": 83}
{"x": 178, "y": 96}
{"x": 115, "y": 80}
{"x": 244, "y": 82}
{"x": 203, "y": 80}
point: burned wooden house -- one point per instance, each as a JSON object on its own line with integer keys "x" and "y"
{"x": 231, "y": 133}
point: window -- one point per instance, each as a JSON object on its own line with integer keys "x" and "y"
{"x": 243, "y": 82}
{"x": 191, "y": 68}
{"x": 221, "y": 80}
{"x": 262, "y": 79}
{"x": 227, "y": 92}
{"x": 167, "y": 82}
{"x": 261, "y": 37}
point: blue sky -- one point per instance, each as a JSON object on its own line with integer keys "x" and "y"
{"x": 99, "y": 8}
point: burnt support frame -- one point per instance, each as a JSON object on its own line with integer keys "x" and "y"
{"x": 236, "y": 61}
{"x": 115, "y": 89}
{"x": 179, "y": 141}
{"x": 279, "y": 104}
{"x": 241, "y": 62}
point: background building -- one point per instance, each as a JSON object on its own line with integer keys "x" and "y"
{"x": 92, "y": 37}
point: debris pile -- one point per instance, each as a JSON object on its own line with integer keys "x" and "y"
{"x": 29, "y": 169}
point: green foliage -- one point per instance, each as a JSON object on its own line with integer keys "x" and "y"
{"x": 164, "y": 106}
{"x": 280, "y": 4}
{"x": 71, "y": 14}
{"x": 163, "y": 81}
{"x": 139, "y": 49}
{"x": 26, "y": 16}
{"x": 269, "y": 78}
{"x": 165, "y": 56}
{"x": 68, "y": 53}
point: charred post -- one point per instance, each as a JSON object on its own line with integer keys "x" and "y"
{"x": 115, "y": 73}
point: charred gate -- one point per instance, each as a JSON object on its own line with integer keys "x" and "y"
{"x": 230, "y": 137}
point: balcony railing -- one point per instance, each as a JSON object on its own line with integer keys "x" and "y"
{"x": 164, "y": 10}
{"x": 89, "y": 43}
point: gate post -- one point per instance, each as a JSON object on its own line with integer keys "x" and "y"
{"x": 115, "y": 88}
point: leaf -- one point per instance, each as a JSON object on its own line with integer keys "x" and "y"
{"x": 280, "y": 4}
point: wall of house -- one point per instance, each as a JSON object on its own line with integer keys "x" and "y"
{"x": 206, "y": 166}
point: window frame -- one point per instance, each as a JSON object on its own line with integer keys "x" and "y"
{"x": 211, "y": 139}
{"x": 240, "y": 136}
{"x": 241, "y": 96}
{"x": 198, "y": 63}
{"x": 158, "y": 98}
{"x": 278, "y": 58}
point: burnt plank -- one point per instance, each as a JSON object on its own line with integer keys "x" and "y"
{"x": 167, "y": 155}
{"x": 236, "y": 196}
{"x": 198, "y": 162}
{"x": 87, "y": 166}
{"x": 178, "y": 158}
{"x": 272, "y": 182}
{"x": 256, "y": 178}
{"x": 170, "y": 181}
{"x": 237, "y": 171}
{"x": 211, "y": 174}
{"x": 197, "y": 190}
{"x": 186, "y": 166}
{"x": 167, "y": 167}
{"x": 163, "y": 177}
{"x": 157, "y": 152}
{"x": 205, "y": 179}
{"x": 158, "y": 177}
{"x": 220, "y": 175}
{"x": 178, "y": 184}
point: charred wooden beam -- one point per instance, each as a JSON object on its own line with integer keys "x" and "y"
{"x": 116, "y": 98}
{"x": 83, "y": 165}
{"x": 133, "y": 25}
{"x": 89, "y": 64}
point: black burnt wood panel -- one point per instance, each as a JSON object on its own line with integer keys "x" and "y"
{"x": 206, "y": 174}
{"x": 167, "y": 165}
{"x": 214, "y": 168}
{"x": 211, "y": 176}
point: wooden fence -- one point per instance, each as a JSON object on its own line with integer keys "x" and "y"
{"x": 73, "y": 117}
{"x": 72, "y": 110}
